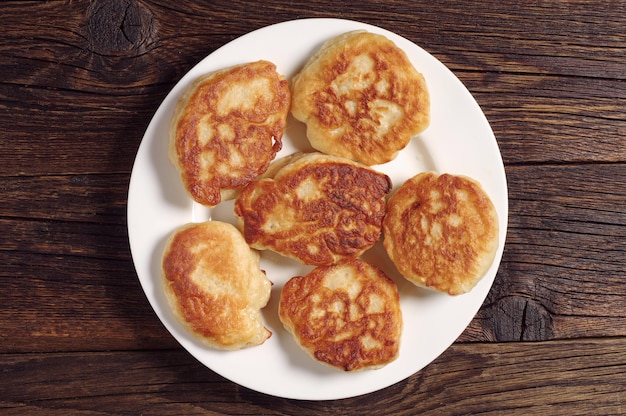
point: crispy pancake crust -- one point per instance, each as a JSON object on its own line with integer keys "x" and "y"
{"x": 317, "y": 208}
{"x": 227, "y": 128}
{"x": 214, "y": 285}
{"x": 347, "y": 315}
{"x": 441, "y": 232}
{"x": 361, "y": 98}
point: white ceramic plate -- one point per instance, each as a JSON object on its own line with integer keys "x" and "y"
{"x": 459, "y": 140}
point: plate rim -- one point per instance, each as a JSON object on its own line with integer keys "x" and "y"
{"x": 197, "y": 68}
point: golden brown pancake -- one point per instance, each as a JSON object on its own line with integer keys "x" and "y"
{"x": 361, "y": 98}
{"x": 318, "y": 209}
{"x": 441, "y": 232}
{"x": 227, "y": 128}
{"x": 214, "y": 285}
{"x": 347, "y": 315}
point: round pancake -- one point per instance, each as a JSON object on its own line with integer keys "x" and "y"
{"x": 361, "y": 98}
{"x": 347, "y": 315}
{"x": 227, "y": 128}
{"x": 441, "y": 232}
{"x": 318, "y": 209}
{"x": 214, "y": 285}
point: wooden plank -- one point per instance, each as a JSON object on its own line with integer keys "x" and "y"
{"x": 78, "y": 335}
{"x": 544, "y": 119}
{"x": 106, "y": 93}
{"x": 67, "y": 276}
{"x": 74, "y": 302}
{"x": 69, "y": 263}
{"x": 84, "y": 198}
{"x": 557, "y": 377}
{"x": 562, "y": 274}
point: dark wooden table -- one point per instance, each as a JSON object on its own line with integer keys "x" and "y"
{"x": 80, "y": 81}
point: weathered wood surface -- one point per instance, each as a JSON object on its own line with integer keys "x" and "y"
{"x": 80, "y": 82}
{"x": 583, "y": 377}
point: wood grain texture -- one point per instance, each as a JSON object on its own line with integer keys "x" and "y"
{"x": 80, "y": 83}
{"x": 562, "y": 274}
{"x": 532, "y": 76}
{"x": 486, "y": 379}
{"x": 546, "y": 287}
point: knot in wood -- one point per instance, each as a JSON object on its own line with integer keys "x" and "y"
{"x": 522, "y": 319}
{"x": 120, "y": 28}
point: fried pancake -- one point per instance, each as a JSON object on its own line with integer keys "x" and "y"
{"x": 441, "y": 232}
{"x": 214, "y": 285}
{"x": 346, "y": 315}
{"x": 361, "y": 98}
{"x": 317, "y": 208}
{"x": 227, "y": 128}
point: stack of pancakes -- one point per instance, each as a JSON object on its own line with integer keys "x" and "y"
{"x": 362, "y": 101}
